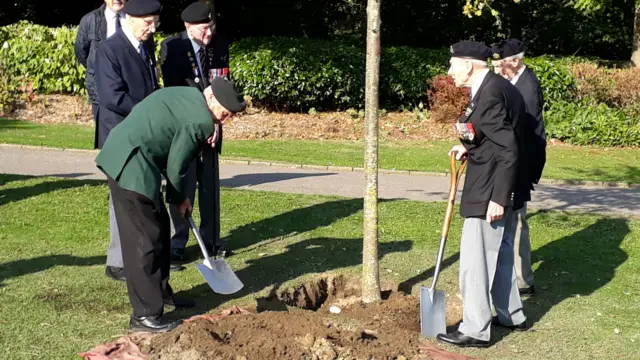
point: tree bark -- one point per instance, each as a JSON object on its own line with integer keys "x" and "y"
{"x": 370, "y": 267}
{"x": 635, "y": 56}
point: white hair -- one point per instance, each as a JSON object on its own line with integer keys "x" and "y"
{"x": 519, "y": 56}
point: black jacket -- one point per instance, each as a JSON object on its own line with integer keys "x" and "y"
{"x": 92, "y": 30}
{"x": 178, "y": 63}
{"x": 536, "y": 141}
{"x": 122, "y": 80}
{"x": 494, "y": 170}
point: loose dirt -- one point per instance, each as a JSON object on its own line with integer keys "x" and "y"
{"x": 286, "y": 327}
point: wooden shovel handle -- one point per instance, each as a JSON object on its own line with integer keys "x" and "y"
{"x": 453, "y": 188}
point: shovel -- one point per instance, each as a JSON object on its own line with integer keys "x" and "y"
{"x": 432, "y": 301}
{"x": 216, "y": 272}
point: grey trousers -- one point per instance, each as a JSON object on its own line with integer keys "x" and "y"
{"x": 522, "y": 245}
{"x": 114, "y": 252}
{"x": 208, "y": 201}
{"x": 486, "y": 274}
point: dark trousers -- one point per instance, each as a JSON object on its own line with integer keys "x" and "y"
{"x": 145, "y": 239}
{"x": 94, "y": 109}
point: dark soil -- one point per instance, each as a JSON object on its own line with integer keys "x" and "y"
{"x": 286, "y": 327}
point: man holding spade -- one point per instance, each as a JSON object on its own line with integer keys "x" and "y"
{"x": 491, "y": 132}
{"x": 160, "y": 137}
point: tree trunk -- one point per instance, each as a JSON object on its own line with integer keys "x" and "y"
{"x": 635, "y": 56}
{"x": 370, "y": 268}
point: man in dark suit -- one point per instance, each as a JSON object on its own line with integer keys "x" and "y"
{"x": 193, "y": 58}
{"x": 172, "y": 124}
{"x": 95, "y": 27}
{"x": 491, "y": 131}
{"x": 125, "y": 74}
{"x": 509, "y": 63}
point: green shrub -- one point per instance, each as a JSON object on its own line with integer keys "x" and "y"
{"x": 296, "y": 74}
{"x": 579, "y": 124}
{"x": 555, "y": 78}
{"x": 44, "y": 56}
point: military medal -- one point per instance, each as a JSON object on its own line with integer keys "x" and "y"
{"x": 466, "y": 131}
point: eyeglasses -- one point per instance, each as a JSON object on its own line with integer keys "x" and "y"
{"x": 152, "y": 23}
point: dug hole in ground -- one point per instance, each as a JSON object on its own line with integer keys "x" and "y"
{"x": 300, "y": 323}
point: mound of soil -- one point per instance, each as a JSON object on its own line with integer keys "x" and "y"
{"x": 299, "y": 324}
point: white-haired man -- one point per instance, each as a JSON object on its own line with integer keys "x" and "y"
{"x": 490, "y": 132}
{"x": 508, "y": 61}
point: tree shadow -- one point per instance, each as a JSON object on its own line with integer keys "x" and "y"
{"x": 577, "y": 264}
{"x": 261, "y": 178}
{"x": 408, "y": 285}
{"x": 287, "y": 224}
{"x": 30, "y": 266}
{"x": 317, "y": 255}
{"x": 22, "y": 193}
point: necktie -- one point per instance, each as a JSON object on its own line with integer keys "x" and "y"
{"x": 143, "y": 54}
{"x": 118, "y": 26}
{"x": 201, "y": 57}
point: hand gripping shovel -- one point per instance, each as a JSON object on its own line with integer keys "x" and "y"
{"x": 216, "y": 272}
{"x": 432, "y": 301}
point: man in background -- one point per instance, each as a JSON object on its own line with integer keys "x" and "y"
{"x": 125, "y": 70}
{"x": 194, "y": 58}
{"x": 509, "y": 63}
{"x": 95, "y": 27}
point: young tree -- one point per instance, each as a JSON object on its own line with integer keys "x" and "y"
{"x": 370, "y": 266}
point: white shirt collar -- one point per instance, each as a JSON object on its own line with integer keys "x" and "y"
{"x": 515, "y": 78}
{"x": 135, "y": 42}
{"x": 477, "y": 82}
{"x": 194, "y": 44}
{"x": 109, "y": 14}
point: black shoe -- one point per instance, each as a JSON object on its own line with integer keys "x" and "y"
{"x": 459, "y": 339}
{"x": 178, "y": 302}
{"x": 520, "y": 327}
{"x": 176, "y": 267}
{"x": 153, "y": 324}
{"x": 527, "y": 291}
{"x": 221, "y": 251}
{"x": 177, "y": 255}
{"x": 115, "y": 273}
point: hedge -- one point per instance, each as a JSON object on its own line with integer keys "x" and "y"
{"x": 302, "y": 74}
{"x": 281, "y": 73}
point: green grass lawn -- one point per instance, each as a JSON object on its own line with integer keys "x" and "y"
{"x": 56, "y": 300}
{"x": 570, "y": 163}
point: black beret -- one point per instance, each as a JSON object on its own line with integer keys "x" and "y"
{"x": 196, "y": 13}
{"x": 507, "y": 48}
{"x": 139, "y": 8}
{"x": 227, "y": 95}
{"x": 471, "y": 50}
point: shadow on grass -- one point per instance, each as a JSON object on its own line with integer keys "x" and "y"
{"x": 314, "y": 255}
{"x": 22, "y": 193}
{"x": 22, "y": 267}
{"x": 624, "y": 173}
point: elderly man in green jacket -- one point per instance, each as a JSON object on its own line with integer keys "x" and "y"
{"x": 160, "y": 137}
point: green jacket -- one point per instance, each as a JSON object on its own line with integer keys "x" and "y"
{"x": 161, "y": 136}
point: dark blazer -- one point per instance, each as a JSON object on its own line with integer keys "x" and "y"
{"x": 531, "y": 91}
{"x": 178, "y": 63}
{"x": 122, "y": 79}
{"x": 497, "y": 115}
{"x": 91, "y": 31}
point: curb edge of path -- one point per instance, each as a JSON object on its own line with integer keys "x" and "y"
{"x": 606, "y": 184}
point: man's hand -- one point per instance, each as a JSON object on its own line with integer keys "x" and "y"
{"x": 185, "y": 207}
{"x": 213, "y": 139}
{"x": 495, "y": 212}
{"x": 460, "y": 152}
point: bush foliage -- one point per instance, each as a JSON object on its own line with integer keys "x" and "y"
{"x": 586, "y": 102}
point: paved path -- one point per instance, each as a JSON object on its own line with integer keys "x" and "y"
{"x": 80, "y": 165}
